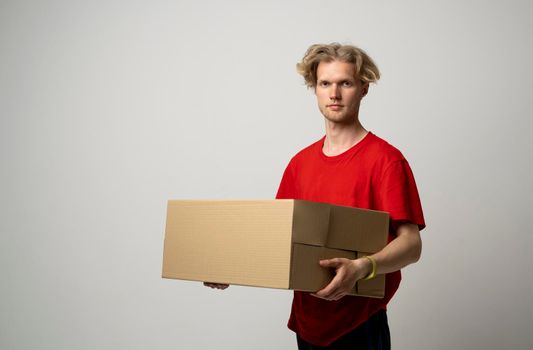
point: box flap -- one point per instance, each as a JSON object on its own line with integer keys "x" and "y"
{"x": 310, "y": 223}
{"x": 357, "y": 229}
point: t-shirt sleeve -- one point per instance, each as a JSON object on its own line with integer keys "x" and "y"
{"x": 286, "y": 188}
{"x": 399, "y": 195}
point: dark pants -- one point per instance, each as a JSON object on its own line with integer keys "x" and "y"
{"x": 372, "y": 335}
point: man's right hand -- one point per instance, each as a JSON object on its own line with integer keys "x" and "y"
{"x": 216, "y": 285}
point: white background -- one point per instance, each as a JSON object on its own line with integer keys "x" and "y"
{"x": 110, "y": 108}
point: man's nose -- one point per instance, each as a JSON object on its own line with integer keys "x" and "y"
{"x": 335, "y": 94}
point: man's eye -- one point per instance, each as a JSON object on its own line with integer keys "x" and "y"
{"x": 324, "y": 83}
{"x": 347, "y": 83}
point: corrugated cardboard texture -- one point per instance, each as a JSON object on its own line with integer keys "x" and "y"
{"x": 270, "y": 243}
{"x": 236, "y": 242}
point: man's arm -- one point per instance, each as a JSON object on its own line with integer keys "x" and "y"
{"x": 405, "y": 249}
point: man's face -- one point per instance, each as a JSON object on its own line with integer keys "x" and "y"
{"x": 338, "y": 92}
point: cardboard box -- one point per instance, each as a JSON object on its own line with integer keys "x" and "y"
{"x": 269, "y": 243}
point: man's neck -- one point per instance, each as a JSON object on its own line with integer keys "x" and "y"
{"x": 342, "y": 137}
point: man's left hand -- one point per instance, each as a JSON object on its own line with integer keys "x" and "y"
{"x": 347, "y": 272}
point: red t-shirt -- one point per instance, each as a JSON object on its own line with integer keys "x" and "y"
{"x": 373, "y": 175}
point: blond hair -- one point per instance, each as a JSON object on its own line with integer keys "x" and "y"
{"x": 365, "y": 68}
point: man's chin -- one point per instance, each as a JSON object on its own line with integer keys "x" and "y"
{"x": 339, "y": 119}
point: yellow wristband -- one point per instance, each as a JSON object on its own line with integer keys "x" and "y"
{"x": 374, "y": 267}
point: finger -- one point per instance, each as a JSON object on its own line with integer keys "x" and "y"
{"x": 338, "y": 296}
{"x": 321, "y": 297}
{"x": 216, "y": 285}
{"x": 326, "y": 293}
{"x": 220, "y": 286}
{"x": 335, "y": 262}
{"x": 333, "y": 297}
{"x": 329, "y": 290}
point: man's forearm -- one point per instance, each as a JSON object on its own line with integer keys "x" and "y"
{"x": 405, "y": 249}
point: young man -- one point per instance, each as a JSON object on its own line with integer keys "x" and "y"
{"x": 350, "y": 166}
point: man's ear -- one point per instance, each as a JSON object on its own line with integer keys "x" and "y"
{"x": 365, "y": 89}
